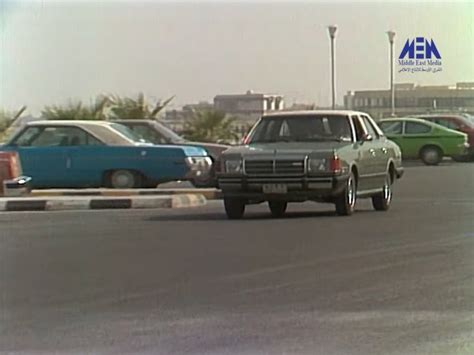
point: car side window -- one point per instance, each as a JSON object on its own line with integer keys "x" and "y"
{"x": 391, "y": 128}
{"x": 416, "y": 128}
{"x": 148, "y": 134}
{"x": 448, "y": 124}
{"x": 55, "y": 137}
{"x": 359, "y": 129}
{"x": 370, "y": 129}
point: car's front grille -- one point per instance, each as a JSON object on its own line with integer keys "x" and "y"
{"x": 271, "y": 167}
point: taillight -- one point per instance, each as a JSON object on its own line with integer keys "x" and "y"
{"x": 335, "y": 165}
{"x": 245, "y": 140}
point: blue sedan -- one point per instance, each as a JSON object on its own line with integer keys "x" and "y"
{"x": 76, "y": 154}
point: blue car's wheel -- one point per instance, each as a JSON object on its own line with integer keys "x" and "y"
{"x": 124, "y": 179}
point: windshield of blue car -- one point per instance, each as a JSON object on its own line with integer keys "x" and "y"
{"x": 127, "y": 132}
{"x": 311, "y": 128}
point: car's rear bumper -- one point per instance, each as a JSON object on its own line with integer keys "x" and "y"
{"x": 19, "y": 186}
{"x": 298, "y": 188}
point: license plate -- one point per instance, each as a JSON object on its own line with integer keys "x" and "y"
{"x": 275, "y": 189}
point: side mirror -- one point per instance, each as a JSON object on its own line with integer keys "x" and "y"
{"x": 367, "y": 138}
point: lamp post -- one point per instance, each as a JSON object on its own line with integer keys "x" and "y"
{"x": 391, "y": 39}
{"x": 332, "y": 35}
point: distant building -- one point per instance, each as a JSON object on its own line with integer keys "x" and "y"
{"x": 248, "y": 108}
{"x": 411, "y": 99}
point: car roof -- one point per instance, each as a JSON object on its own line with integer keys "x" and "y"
{"x": 314, "y": 112}
{"x": 100, "y": 129}
{"x": 408, "y": 119}
{"x": 75, "y": 123}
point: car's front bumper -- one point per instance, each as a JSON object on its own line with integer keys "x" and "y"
{"x": 298, "y": 188}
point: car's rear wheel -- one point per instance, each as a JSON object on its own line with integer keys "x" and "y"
{"x": 345, "y": 202}
{"x": 381, "y": 201}
{"x": 124, "y": 179}
{"x": 431, "y": 155}
{"x": 234, "y": 207}
{"x": 277, "y": 208}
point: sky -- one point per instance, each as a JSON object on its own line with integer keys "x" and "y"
{"x": 54, "y": 52}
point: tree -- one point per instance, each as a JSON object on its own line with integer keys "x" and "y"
{"x": 78, "y": 111}
{"x": 7, "y": 119}
{"x": 210, "y": 126}
{"x": 139, "y": 108}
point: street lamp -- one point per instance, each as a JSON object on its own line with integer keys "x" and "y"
{"x": 391, "y": 39}
{"x": 332, "y": 35}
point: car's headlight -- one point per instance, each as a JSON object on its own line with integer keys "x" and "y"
{"x": 318, "y": 165}
{"x": 199, "y": 163}
{"x": 233, "y": 166}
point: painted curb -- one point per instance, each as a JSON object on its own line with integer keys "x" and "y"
{"x": 209, "y": 194}
{"x": 63, "y": 203}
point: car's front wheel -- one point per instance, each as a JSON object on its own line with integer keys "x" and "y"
{"x": 234, "y": 207}
{"x": 277, "y": 208}
{"x": 345, "y": 202}
{"x": 124, "y": 179}
{"x": 381, "y": 201}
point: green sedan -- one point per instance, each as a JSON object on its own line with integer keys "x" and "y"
{"x": 420, "y": 139}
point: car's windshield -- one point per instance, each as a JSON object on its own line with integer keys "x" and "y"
{"x": 168, "y": 133}
{"x": 127, "y": 132}
{"x": 310, "y": 128}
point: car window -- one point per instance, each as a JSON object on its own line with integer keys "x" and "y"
{"x": 302, "y": 128}
{"x": 55, "y": 136}
{"x": 370, "y": 129}
{"x": 392, "y": 127}
{"x": 359, "y": 129}
{"x": 447, "y": 123}
{"x": 416, "y": 128}
{"x": 148, "y": 134}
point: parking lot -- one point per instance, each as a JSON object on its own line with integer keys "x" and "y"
{"x": 189, "y": 280}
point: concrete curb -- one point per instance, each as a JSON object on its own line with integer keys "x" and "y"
{"x": 63, "y": 203}
{"x": 209, "y": 194}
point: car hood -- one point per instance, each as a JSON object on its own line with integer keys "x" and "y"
{"x": 282, "y": 148}
{"x": 215, "y": 150}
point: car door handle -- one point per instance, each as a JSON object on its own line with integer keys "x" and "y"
{"x": 372, "y": 151}
{"x": 384, "y": 150}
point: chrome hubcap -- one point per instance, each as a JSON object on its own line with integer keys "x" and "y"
{"x": 123, "y": 180}
{"x": 350, "y": 192}
{"x": 387, "y": 190}
{"x": 431, "y": 156}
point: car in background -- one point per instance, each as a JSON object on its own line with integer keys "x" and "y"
{"x": 157, "y": 133}
{"x": 425, "y": 140}
{"x": 76, "y": 154}
{"x": 323, "y": 156}
{"x": 459, "y": 122}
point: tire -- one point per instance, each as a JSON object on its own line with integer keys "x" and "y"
{"x": 277, "y": 208}
{"x": 431, "y": 155}
{"x": 124, "y": 179}
{"x": 381, "y": 201}
{"x": 234, "y": 207}
{"x": 345, "y": 202}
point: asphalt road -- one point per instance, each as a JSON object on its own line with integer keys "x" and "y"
{"x": 190, "y": 281}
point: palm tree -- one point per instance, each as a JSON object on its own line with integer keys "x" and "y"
{"x": 139, "y": 108}
{"x": 210, "y": 126}
{"x": 78, "y": 111}
{"x": 7, "y": 119}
